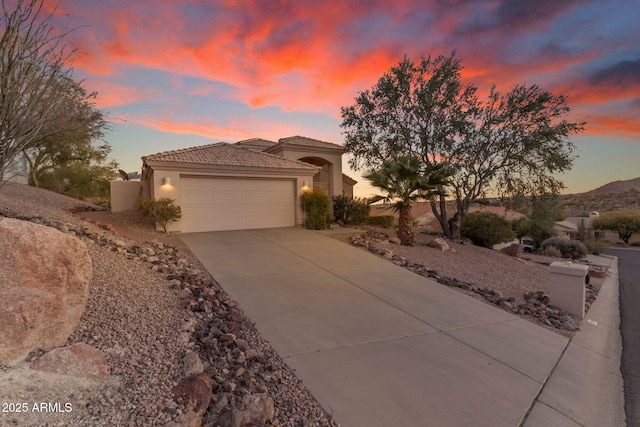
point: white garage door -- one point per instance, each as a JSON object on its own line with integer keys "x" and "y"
{"x": 217, "y": 204}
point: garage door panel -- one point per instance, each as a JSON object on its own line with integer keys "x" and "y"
{"x": 216, "y": 204}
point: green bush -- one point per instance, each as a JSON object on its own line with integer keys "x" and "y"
{"x": 568, "y": 248}
{"x": 162, "y": 211}
{"x": 486, "y": 229}
{"x": 596, "y": 246}
{"x": 634, "y": 244}
{"x": 386, "y": 221}
{"x": 316, "y": 207}
{"x": 351, "y": 210}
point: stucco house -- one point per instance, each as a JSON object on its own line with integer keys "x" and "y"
{"x": 251, "y": 184}
{"x": 585, "y": 224}
{"x": 566, "y": 229}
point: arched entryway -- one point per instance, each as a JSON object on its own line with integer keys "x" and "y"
{"x": 323, "y": 180}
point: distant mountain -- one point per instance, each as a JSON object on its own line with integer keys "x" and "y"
{"x": 613, "y": 196}
{"x": 617, "y": 187}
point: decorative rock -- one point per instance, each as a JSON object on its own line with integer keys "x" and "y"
{"x": 387, "y": 254}
{"x": 258, "y": 408}
{"x": 192, "y": 365}
{"x": 255, "y": 409}
{"x": 251, "y": 354}
{"x": 513, "y": 250}
{"x": 221, "y": 402}
{"x": 569, "y": 323}
{"x": 394, "y": 240}
{"x": 195, "y": 391}
{"x": 508, "y": 305}
{"x": 78, "y": 360}
{"x": 440, "y": 243}
{"x": 44, "y": 286}
{"x": 189, "y": 419}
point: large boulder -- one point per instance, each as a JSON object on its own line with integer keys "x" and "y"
{"x": 513, "y": 250}
{"x": 44, "y": 286}
{"x": 439, "y": 243}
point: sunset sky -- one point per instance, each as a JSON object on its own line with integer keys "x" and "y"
{"x": 173, "y": 74}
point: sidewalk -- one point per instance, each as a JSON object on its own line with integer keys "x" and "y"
{"x": 586, "y": 386}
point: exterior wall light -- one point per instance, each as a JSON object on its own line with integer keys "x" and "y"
{"x": 305, "y": 186}
{"x": 166, "y": 181}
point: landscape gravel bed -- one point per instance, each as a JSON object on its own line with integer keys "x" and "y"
{"x": 150, "y": 306}
{"x": 517, "y": 285}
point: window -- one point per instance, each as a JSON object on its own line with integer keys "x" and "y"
{"x": 600, "y": 234}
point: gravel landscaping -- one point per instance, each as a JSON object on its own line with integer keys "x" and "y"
{"x": 160, "y": 319}
{"x": 152, "y": 308}
{"x": 517, "y": 285}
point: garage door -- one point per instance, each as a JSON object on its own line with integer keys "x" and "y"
{"x": 217, "y": 204}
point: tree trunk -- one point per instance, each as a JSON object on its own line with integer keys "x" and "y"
{"x": 441, "y": 215}
{"x": 454, "y": 227}
{"x": 405, "y": 226}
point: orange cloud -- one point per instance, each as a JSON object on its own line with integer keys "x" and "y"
{"x": 315, "y": 56}
{"x": 112, "y": 95}
{"x": 620, "y": 125}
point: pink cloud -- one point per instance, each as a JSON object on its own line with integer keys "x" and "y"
{"x": 309, "y": 56}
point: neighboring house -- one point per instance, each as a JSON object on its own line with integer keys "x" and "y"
{"x": 585, "y": 223}
{"x": 248, "y": 185}
{"x": 566, "y": 229}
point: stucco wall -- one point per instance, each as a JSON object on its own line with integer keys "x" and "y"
{"x": 347, "y": 189}
{"x": 125, "y": 193}
{"x": 335, "y": 169}
{"x": 159, "y": 188}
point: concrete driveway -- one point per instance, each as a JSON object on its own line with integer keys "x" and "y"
{"x": 378, "y": 345}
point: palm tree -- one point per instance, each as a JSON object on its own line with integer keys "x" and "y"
{"x": 405, "y": 179}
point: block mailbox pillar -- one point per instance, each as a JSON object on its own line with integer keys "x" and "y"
{"x": 567, "y": 288}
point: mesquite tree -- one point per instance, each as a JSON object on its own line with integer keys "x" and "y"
{"x": 510, "y": 143}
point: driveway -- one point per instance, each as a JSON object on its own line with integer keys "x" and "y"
{"x": 378, "y": 345}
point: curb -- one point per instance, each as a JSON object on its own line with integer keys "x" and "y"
{"x": 586, "y": 386}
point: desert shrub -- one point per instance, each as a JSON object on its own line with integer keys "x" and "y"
{"x": 568, "y": 248}
{"x": 552, "y": 251}
{"x": 540, "y": 234}
{"x": 316, "y": 207}
{"x": 596, "y": 246}
{"x": 162, "y": 211}
{"x": 634, "y": 244}
{"x": 486, "y": 229}
{"x": 386, "y": 221}
{"x": 351, "y": 210}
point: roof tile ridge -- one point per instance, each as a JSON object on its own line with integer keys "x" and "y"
{"x": 262, "y": 153}
{"x": 183, "y": 150}
{"x": 285, "y": 139}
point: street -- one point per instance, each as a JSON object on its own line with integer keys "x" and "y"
{"x": 629, "y": 274}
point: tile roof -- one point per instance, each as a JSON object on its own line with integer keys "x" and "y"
{"x": 256, "y": 142}
{"x": 308, "y": 142}
{"x": 223, "y": 154}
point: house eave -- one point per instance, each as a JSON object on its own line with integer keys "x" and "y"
{"x": 249, "y": 170}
